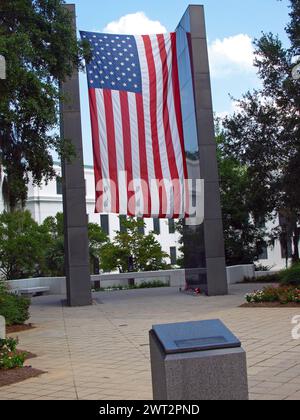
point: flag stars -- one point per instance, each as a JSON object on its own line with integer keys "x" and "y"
{"x": 118, "y": 67}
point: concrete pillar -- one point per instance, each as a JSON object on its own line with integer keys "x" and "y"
{"x": 203, "y": 244}
{"x": 74, "y": 196}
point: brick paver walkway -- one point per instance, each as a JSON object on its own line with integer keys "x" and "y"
{"x": 101, "y": 352}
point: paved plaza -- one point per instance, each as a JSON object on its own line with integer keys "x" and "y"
{"x": 101, "y": 352}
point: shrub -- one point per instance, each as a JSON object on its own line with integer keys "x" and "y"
{"x": 283, "y": 295}
{"x": 291, "y": 276}
{"x": 261, "y": 267}
{"x": 144, "y": 285}
{"x": 10, "y": 358}
{"x": 152, "y": 285}
{"x": 15, "y": 309}
{"x": 271, "y": 278}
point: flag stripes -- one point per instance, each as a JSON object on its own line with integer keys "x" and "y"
{"x": 138, "y": 143}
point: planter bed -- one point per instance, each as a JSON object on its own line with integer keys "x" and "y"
{"x": 271, "y": 305}
{"x": 13, "y": 376}
{"x": 19, "y": 328}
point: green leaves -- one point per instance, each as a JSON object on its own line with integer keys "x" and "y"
{"x": 41, "y": 50}
{"x": 242, "y": 235}
{"x": 264, "y": 134}
{"x": 10, "y": 358}
{"x": 131, "y": 243}
{"x": 22, "y": 244}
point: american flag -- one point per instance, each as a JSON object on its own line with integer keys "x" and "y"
{"x": 137, "y": 129}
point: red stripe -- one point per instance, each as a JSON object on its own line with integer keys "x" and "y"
{"x": 153, "y": 117}
{"x": 127, "y": 144}
{"x": 143, "y": 154}
{"x": 112, "y": 153}
{"x": 177, "y": 100}
{"x": 96, "y": 149}
{"x": 167, "y": 128}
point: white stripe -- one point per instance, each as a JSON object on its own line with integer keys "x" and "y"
{"x": 163, "y": 153}
{"x": 136, "y": 163}
{"x": 173, "y": 122}
{"x": 148, "y": 132}
{"x": 103, "y": 149}
{"x": 120, "y": 151}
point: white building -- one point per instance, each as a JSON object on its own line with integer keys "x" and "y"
{"x": 46, "y": 201}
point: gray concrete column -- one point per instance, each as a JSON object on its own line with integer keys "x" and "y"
{"x": 74, "y": 196}
{"x": 204, "y": 245}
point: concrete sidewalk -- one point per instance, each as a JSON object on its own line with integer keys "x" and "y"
{"x": 101, "y": 352}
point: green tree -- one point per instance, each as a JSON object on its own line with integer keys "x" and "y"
{"x": 244, "y": 232}
{"x": 132, "y": 244}
{"x": 55, "y": 251}
{"x": 41, "y": 50}
{"x": 22, "y": 245}
{"x": 264, "y": 134}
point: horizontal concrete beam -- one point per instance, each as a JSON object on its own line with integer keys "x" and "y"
{"x": 57, "y": 285}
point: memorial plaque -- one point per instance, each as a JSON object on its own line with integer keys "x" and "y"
{"x": 195, "y": 336}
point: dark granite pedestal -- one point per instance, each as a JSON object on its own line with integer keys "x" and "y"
{"x": 197, "y": 361}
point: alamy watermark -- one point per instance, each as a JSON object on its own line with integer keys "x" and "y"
{"x": 175, "y": 198}
{"x": 296, "y": 329}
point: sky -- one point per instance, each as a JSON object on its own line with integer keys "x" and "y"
{"x": 232, "y": 25}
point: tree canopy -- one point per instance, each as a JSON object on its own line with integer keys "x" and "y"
{"x": 264, "y": 134}
{"x": 244, "y": 235}
{"x": 41, "y": 50}
{"x": 132, "y": 250}
{"x": 22, "y": 245}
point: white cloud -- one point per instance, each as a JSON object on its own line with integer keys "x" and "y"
{"x": 231, "y": 55}
{"x": 135, "y": 24}
{"x": 234, "y": 107}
